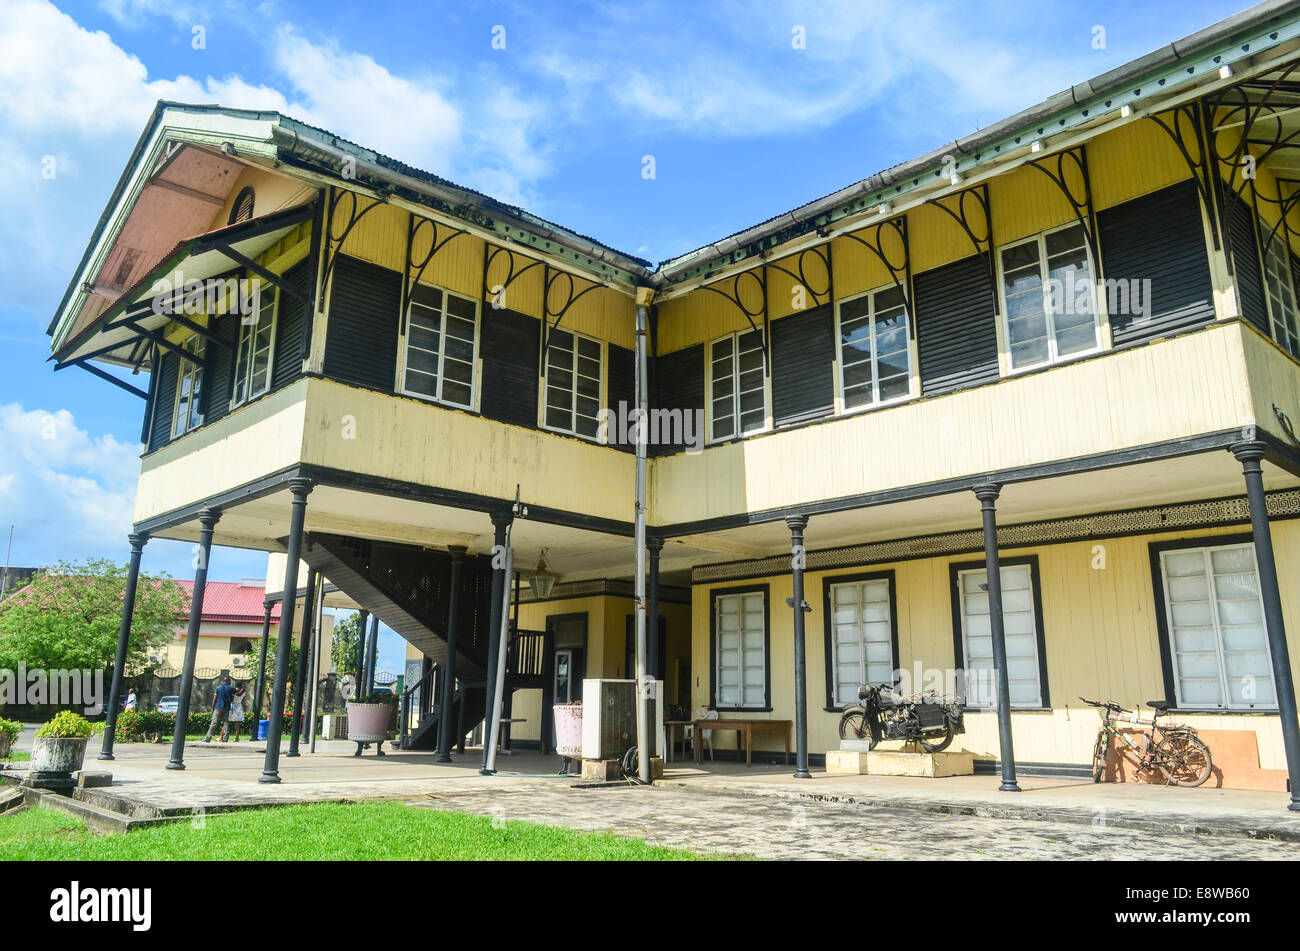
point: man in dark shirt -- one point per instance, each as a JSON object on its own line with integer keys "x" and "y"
{"x": 220, "y": 709}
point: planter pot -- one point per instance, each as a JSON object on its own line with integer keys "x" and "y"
{"x": 54, "y": 760}
{"x": 371, "y": 722}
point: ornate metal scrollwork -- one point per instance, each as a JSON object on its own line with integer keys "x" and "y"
{"x": 1068, "y": 170}
{"x": 334, "y": 239}
{"x": 971, "y": 210}
{"x": 735, "y": 295}
{"x": 896, "y": 260}
{"x": 567, "y": 283}
{"x": 1186, "y": 125}
{"x": 800, "y": 275}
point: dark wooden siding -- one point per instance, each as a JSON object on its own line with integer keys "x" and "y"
{"x": 219, "y": 373}
{"x": 621, "y": 390}
{"x": 1157, "y": 238}
{"x": 288, "y": 332}
{"x": 679, "y": 385}
{"x": 510, "y": 350}
{"x": 164, "y": 401}
{"x": 803, "y": 366}
{"x": 956, "y": 334}
{"x": 361, "y": 337}
{"x": 1243, "y": 239}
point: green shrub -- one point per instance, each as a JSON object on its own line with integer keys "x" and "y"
{"x": 10, "y": 728}
{"x": 377, "y": 696}
{"x": 67, "y": 725}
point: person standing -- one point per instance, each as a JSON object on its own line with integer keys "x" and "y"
{"x": 221, "y": 698}
{"x": 131, "y": 702}
{"x": 236, "y": 718}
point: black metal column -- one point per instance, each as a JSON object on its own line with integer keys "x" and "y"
{"x": 284, "y": 646}
{"x": 267, "y": 607}
{"x": 500, "y": 522}
{"x": 453, "y": 609}
{"x": 372, "y": 662}
{"x": 296, "y": 725}
{"x": 363, "y": 622}
{"x": 138, "y": 541}
{"x": 797, "y": 524}
{"x": 988, "y": 496}
{"x": 1250, "y": 454}
{"x": 207, "y": 521}
{"x": 654, "y": 546}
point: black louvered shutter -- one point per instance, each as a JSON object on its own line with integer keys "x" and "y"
{"x": 164, "y": 401}
{"x": 956, "y": 334}
{"x": 288, "y": 332}
{"x": 1159, "y": 239}
{"x": 219, "y": 373}
{"x": 679, "y": 386}
{"x": 621, "y": 392}
{"x": 803, "y": 366}
{"x": 1243, "y": 239}
{"x": 361, "y": 336}
{"x": 510, "y": 352}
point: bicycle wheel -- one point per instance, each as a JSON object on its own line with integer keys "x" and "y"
{"x": 937, "y": 744}
{"x": 1184, "y": 759}
{"x": 1099, "y": 752}
{"x": 853, "y": 726}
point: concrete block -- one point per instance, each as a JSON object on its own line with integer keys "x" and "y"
{"x": 601, "y": 771}
{"x": 933, "y": 765}
{"x": 856, "y": 746}
{"x": 846, "y": 762}
{"x": 88, "y": 779}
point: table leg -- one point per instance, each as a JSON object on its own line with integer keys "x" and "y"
{"x": 749, "y": 746}
{"x": 699, "y": 745}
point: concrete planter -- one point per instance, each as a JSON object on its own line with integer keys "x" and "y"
{"x": 62, "y": 755}
{"x": 371, "y": 722}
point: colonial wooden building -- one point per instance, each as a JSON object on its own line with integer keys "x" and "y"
{"x": 1065, "y": 345}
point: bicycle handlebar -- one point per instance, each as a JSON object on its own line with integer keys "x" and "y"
{"x": 1108, "y": 704}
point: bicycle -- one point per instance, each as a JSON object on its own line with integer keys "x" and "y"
{"x": 1180, "y": 754}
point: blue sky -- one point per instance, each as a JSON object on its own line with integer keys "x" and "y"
{"x": 742, "y": 126}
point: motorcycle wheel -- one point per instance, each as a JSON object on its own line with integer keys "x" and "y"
{"x": 937, "y": 744}
{"x": 853, "y": 726}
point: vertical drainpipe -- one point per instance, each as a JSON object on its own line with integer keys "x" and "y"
{"x": 644, "y": 296}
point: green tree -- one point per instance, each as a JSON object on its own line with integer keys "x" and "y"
{"x": 68, "y": 617}
{"x": 347, "y": 634}
{"x": 254, "y": 663}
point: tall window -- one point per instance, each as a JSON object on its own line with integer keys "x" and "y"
{"x": 875, "y": 364}
{"x": 1021, "y": 634}
{"x": 573, "y": 393}
{"x": 441, "y": 346}
{"x": 737, "y": 389}
{"x": 188, "y": 413}
{"x": 1281, "y": 292}
{"x": 740, "y": 664}
{"x": 1217, "y": 637}
{"x": 1050, "y": 307}
{"x": 253, "y": 357}
{"x": 862, "y": 637}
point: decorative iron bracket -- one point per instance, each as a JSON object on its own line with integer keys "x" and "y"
{"x": 1070, "y": 175}
{"x": 415, "y": 226}
{"x": 759, "y": 276}
{"x": 334, "y": 240}
{"x": 900, "y": 271}
{"x": 1186, "y": 124}
{"x": 971, "y": 210}
{"x": 552, "y": 279}
{"x": 490, "y": 254}
{"x": 821, "y": 253}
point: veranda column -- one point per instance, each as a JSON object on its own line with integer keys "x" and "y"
{"x": 284, "y": 647}
{"x": 373, "y": 657}
{"x": 1249, "y": 454}
{"x": 453, "y": 610}
{"x": 138, "y": 542}
{"x": 654, "y": 545}
{"x": 988, "y": 496}
{"x": 261, "y": 666}
{"x": 363, "y": 622}
{"x": 304, "y": 659}
{"x": 797, "y": 524}
{"x": 500, "y": 522}
{"x": 207, "y": 521}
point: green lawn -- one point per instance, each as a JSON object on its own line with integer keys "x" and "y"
{"x": 18, "y": 756}
{"x": 380, "y": 830}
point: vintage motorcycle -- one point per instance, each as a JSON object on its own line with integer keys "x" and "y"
{"x": 884, "y": 715}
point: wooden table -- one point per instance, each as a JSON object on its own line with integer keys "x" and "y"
{"x": 747, "y": 727}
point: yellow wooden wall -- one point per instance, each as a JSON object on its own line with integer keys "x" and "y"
{"x": 1099, "y": 629}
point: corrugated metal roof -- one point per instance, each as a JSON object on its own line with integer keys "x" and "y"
{"x": 232, "y": 601}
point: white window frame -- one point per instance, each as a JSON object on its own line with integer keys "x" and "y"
{"x": 857, "y": 584}
{"x": 737, "y": 433}
{"x": 1004, "y": 325}
{"x": 404, "y": 351}
{"x": 1028, "y": 568}
{"x": 1288, "y": 338}
{"x": 573, "y": 391}
{"x": 1225, "y": 694}
{"x": 192, "y": 371}
{"x": 876, "y": 401}
{"x": 739, "y": 597}
{"x": 248, "y": 334}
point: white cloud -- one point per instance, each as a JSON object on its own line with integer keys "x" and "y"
{"x": 65, "y": 490}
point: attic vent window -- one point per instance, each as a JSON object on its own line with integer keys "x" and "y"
{"x": 242, "y": 209}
